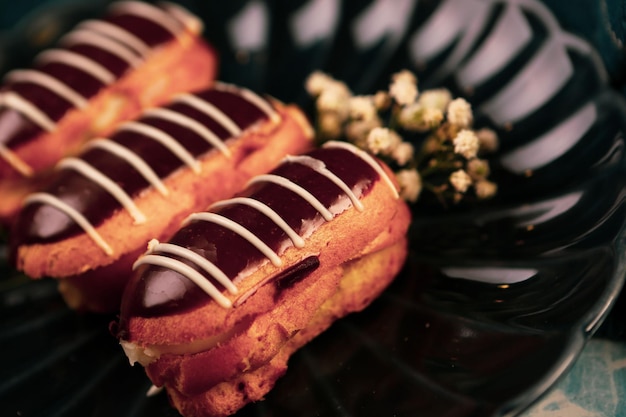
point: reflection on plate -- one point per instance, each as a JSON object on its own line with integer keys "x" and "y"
{"x": 495, "y": 302}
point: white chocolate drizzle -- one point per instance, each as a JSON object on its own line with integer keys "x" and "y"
{"x": 319, "y": 167}
{"x": 211, "y": 111}
{"x": 117, "y": 33}
{"x": 298, "y": 242}
{"x": 312, "y": 163}
{"x": 292, "y": 186}
{"x": 190, "y": 21}
{"x": 238, "y": 229}
{"x": 148, "y": 12}
{"x": 16, "y": 102}
{"x": 92, "y": 38}
{"x": 155, "y": 246}
{"x": 15, "y": 161}
{"x": 187, "y": 271}
{"x": 249, "y": 96}
{"x": 133, "y": 159}
{"x": 105, "y": 182}
{"x": 81, "y": 62}
{"x": 191, "y": 124}
{"x": 166, "y": 140}
{"x": 367, "y": 158}
{"x": 73, "y": 214}
{"x": 48, "y": 82}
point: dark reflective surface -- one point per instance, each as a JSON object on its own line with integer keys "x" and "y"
{"x": 496, "y": 300}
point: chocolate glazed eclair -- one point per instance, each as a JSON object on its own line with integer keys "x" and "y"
{"x": 102, "y": 207}
{"x": 215, "y": 313}
{"x": 101, "y": 73}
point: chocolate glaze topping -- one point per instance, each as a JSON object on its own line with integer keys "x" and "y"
{"x": 23, "y": 129}
{"x": 40, "y": 222}
{"x": 160, "y": 290}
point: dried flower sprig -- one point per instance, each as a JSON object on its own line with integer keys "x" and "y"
{"x": 426, "y": 137}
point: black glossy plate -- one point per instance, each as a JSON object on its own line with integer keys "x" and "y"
{"x": 495, "y": 302}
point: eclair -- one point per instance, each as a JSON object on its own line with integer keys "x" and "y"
{"x": 214, "y": 313}
{"x": 103, "y": 205}
{"x": 102, "y": 72}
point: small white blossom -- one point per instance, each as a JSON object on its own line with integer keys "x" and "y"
{"x": 410, "y": 184}
{"x": 403, "y": 153}
{"x": 357, "y": 131}
{"x": 478, "y": 169}
{"x": 403, "y": 88}
{"x": 330, "y": 125}
{"x": 318, "y": 82}
{"x": 382, "y": 100}
{"x": 485, "y": 189}
{"x": 362, "y": 108}
{"x": 404, "y": 76}
{"x": 435, "y": 99}
{"x": 460, "y": 113}
{"x": 382, "y": 140}
{"x": 460, "y": 180}
{"x": 466, "y": 144}
{"x": 410, "y": 116}
{"x": 334, "y": 99}
{"x": 488, "y": 140}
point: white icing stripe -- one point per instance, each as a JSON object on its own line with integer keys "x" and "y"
{"x": 75, "y": 60}
{"x": 89, "y": 37}
{"x": 186, "y": 18}
{"x": 14, "y": 101}
{"x": 290, "y": 185}
{"x": 15, "y": 161}
{"x": 149, "y": 12}
{"x": 105, "y": 182}
{"x": 73, "y": 214}
{"x": 131, "y": 158}
{"x": 166, "y": 140}
{"x": 367, "y": 158}
{"x": 240, "y": 230}
{"x": 117, "y": 33}
{"x": 189, "y": 123}
{"x": 298, "y": 242}
{"x": 319, "y": 167}
{"x": 188, "y": 272}
{"x": 249, "y": 96}
{"x": 211, "y": 111}
{"x": 201, "y": 261}
{"x": 49, "y": 83}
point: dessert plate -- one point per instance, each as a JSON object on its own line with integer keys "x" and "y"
{"x": 496, "y": 301}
